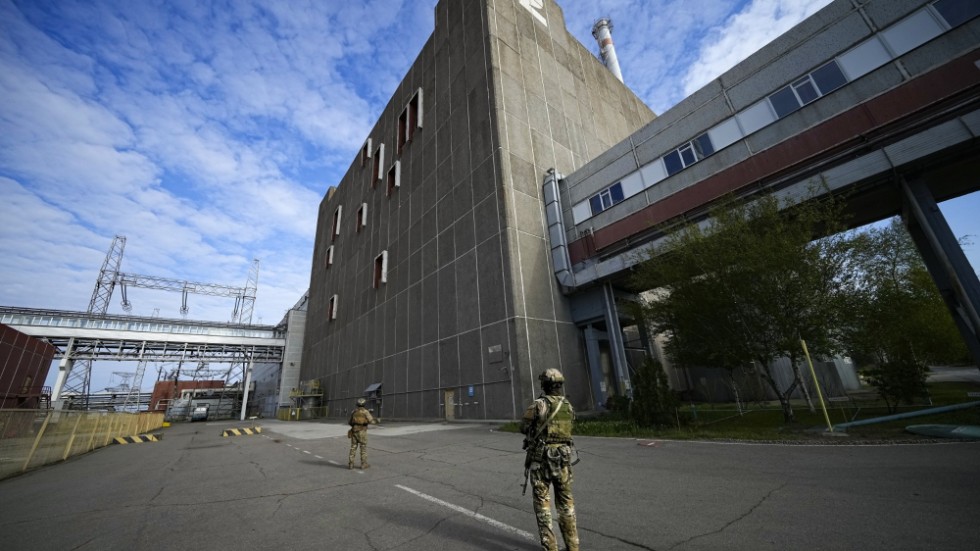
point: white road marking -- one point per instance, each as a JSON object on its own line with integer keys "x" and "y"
{"x": 471, "y": 514}
{"x": 317, "y": 456}
{"x": 304, "y": 451}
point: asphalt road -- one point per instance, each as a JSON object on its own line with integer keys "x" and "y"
{"x": 456, "y": 487}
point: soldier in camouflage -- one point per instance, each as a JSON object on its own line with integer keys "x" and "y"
{"x": 359, "y": 420}
{"x": 547, "y": 426}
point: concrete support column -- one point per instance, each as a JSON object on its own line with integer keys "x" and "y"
{"x": 944, "y": 258}
{"x": 616, "y": 347}
{"x": 592, "y": 337}
{"x": 248, "y": 382}
{"x": 64, "y": 369}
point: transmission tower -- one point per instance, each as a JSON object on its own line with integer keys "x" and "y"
{"x": 78, "y": 382}
{"x": 245, "y": 304}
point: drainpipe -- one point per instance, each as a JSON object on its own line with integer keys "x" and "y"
{"x": 556, "y": 229}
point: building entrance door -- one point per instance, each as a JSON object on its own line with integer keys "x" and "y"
{"x": 450, "y": 401}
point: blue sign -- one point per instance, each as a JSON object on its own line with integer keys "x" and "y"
{"x": 469, "y": 391}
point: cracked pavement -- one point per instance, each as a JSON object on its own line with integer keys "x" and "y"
{"x": 457, "y": 486}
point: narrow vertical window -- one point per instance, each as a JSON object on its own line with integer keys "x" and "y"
{"x": 402, "y": 132}
{"x": 381, "y": 269}
{"x": 328, "y": 260}
{"x": 336, "y": 223}
{"x": 414, "y": 113}
{"x": 366, "y": 152}
{"x": 379, "y": 162}
{"x": 332, "y": 308}
{"x": 394, "y": 177}
{"x": 361, "y": 217}
{"x": 409, "y": 121}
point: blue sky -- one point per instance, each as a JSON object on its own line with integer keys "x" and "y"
{"x": 207, "y": 132}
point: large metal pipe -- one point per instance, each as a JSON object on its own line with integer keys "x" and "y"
{"x": 907, "y": 415}
{"x": 602, "y": 31}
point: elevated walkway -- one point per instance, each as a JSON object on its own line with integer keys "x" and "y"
{"x": 80, "y": 335}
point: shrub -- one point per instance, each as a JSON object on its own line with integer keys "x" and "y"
{"x": 654, "y": 404}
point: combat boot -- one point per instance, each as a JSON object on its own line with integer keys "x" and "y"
{"x": 364, "y": 466}
{"x": 350, "y": 465}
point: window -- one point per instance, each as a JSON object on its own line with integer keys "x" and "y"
{"x": 957, "y": 12}
{"x": 784, "y": 102}
{"x": 366, "y": 152}
{"x": 332, "y": 308}
{"x": 807, "y": 89}
{"x": 414, "y": 113}
{"x": 361, "y": 217}
{"x": 328, "y": 261}
{"x": 672, "y": 161}
{"x": 759, "y": 115}
{"x": 381, "y": 269}
{"x": 409, "y": 121}
{"x": 606, "y": 198}
{"x": 379, "y": 162}
{"x": 864, "y": 58}
{"x": 911, "y": 32}
{"x": 394, "y": 178}
{"x": 402, "y": 132}
{"x": 828, "y": 78}
{"x": 688, "y": 154}
{"x": 336, "y": 223}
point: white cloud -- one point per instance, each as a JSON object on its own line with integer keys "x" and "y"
{"x": 742, "y": 35}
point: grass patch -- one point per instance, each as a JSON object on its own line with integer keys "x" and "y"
{"x": 764, "y": 421}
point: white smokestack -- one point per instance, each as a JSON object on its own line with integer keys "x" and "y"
{"x": 602, "y": 31}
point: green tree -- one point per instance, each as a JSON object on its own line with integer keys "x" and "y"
{"x": 897, "y": 322}
{"x": 741, "y": 292}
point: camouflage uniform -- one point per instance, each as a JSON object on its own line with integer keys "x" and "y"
{"x": 359, "y": 420}
{"x": 550, "y": 463}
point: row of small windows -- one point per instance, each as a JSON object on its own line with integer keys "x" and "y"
{"x": 911, "y": 32}
{"x": 380, "y": 266}
{"x": 409, "y": 121}
{"x": 379, "y": 277}
{"x": 392, "y": 177}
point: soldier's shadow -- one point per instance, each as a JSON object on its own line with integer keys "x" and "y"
{"x": 327, "y": 463}
{"x": 450, "y": 526}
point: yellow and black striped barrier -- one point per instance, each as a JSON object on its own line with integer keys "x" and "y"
{"x": 242, "y": 431}
{"x": 138, "y": 438}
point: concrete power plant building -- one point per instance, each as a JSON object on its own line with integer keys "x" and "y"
{"x": 487, "y": 228}
{"x": 431, "y": 285}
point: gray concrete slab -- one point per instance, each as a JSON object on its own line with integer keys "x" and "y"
{"x": 438, "y": 486}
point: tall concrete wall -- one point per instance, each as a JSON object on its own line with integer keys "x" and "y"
{"x": 469, "y": 312}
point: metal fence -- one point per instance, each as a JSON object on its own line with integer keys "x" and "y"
{"x": 32, "y": 438}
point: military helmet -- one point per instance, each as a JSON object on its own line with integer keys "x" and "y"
{"x": 361, "y": 402}
{"x": 551, "y": 377}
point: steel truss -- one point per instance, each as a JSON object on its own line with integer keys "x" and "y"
{"x": 161, "y": 351}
